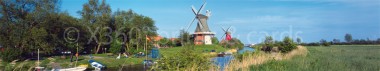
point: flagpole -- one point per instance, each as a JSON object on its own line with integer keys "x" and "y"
{"x": 38, "y": 58}
{"x": 77, "y": 55}
{"x": 146, "y": 42}
{"x": 38, "y": 61}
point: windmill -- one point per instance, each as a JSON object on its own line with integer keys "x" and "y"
{"x": 202, "y": 32}
{"x": 227, "y": 34}
{"x": 202, "y": 19}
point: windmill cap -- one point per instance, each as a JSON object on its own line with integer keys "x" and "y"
{"x": 204, "y": 33}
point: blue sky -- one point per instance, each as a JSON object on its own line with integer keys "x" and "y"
{"x": 252, "y": 20}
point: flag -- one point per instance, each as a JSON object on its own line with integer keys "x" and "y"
{"x": 147, "y": 38}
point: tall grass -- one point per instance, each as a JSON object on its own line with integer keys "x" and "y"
{"x": 333, "y": 58}
{"x": 261, "y": 58}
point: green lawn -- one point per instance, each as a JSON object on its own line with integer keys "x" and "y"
{"x": 333, "y": 58}
{"x": 198, "y": 48}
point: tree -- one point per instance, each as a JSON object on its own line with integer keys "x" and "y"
{"x": 215, "y": 40}
{"x": 277, "y": 43}
{"x": 165, "y": 42}
{"x": 268, "y": 40}
{"x": 185, "y": 37}
{"x": 233, "y": 43}
{"x": 116, "y": 46}
{"x": 336, "y": 41}
{"x": 236, "y": 43}
{"x": 288, "y": 45}
{"x": 324, "y": 42}
{"x": 69, "y": 34}
{"x": 348, "y": 38}
{"x": 298, "y": 40}
{"x": 134, "y": 29}
{"x": 10, "y": 54}
{"x": 268, "y": 44}
{"x": 26, "y": 26}
{"x": 98, "y": 17}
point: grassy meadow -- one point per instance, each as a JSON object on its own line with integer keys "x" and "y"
{"x": 198, "y": 48}
{"x": 332, "y": 58}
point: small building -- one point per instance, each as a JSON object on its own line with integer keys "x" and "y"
{"x": 172, "y": 39}
{"x": 203, "y": 38}
{"x": 157, "y": 38}
{"x": 202, "y": 34}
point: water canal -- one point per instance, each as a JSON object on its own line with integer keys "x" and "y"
{"x": 224, "y": 61}
{"x": 221, "y": 62}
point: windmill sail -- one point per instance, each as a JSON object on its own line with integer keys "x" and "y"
{"x": 227, "y": 34}
{"x": 197, "y": 14}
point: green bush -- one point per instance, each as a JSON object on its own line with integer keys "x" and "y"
{"x": 116, "y": 46}
{"x": 135, "y": 51}
{"x": 215, "y": 40}
{"x": 257, "y": 47}
{"x": 165, "y": 42}
{"x": 277, "y": 43}
{"x": 268, "y": 44}
{"x": 233, "y": 43}
{"x": 8, "y": 67}
{"x": 287, "y": 45}
{"x": 10, "y": 54}
{"x": 184, "y": 60}
{"x": 326, "y": 44}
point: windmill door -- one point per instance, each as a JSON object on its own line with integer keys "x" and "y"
{"x": 208, "y": 39}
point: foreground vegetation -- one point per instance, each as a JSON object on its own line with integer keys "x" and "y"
{"x": 244, "y": 61}
{"x": 197, "y": 49}
{"x": 195, "y": 53}
{"x": 333, "y": 58}
{"x": 110, "y": 61}
{"x": 187, "y": 58}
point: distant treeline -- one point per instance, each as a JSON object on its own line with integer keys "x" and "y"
{"x": 348, "y": 41}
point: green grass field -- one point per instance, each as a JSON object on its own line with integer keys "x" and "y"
{"x": 198, "y": 48}
{"x": 332, "y": 58}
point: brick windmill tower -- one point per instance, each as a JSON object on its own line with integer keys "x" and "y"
{"x": 202, "y": 34}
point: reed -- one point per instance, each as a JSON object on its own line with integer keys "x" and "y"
{"x": 260, "y": 58}
{"x": 332, "y": 58}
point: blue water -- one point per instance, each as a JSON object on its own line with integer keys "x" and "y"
{"x": 223, "y": 61}
{"x": 241, "y": 51}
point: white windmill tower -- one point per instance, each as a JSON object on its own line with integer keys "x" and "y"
{"x": 202, "y": 34}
